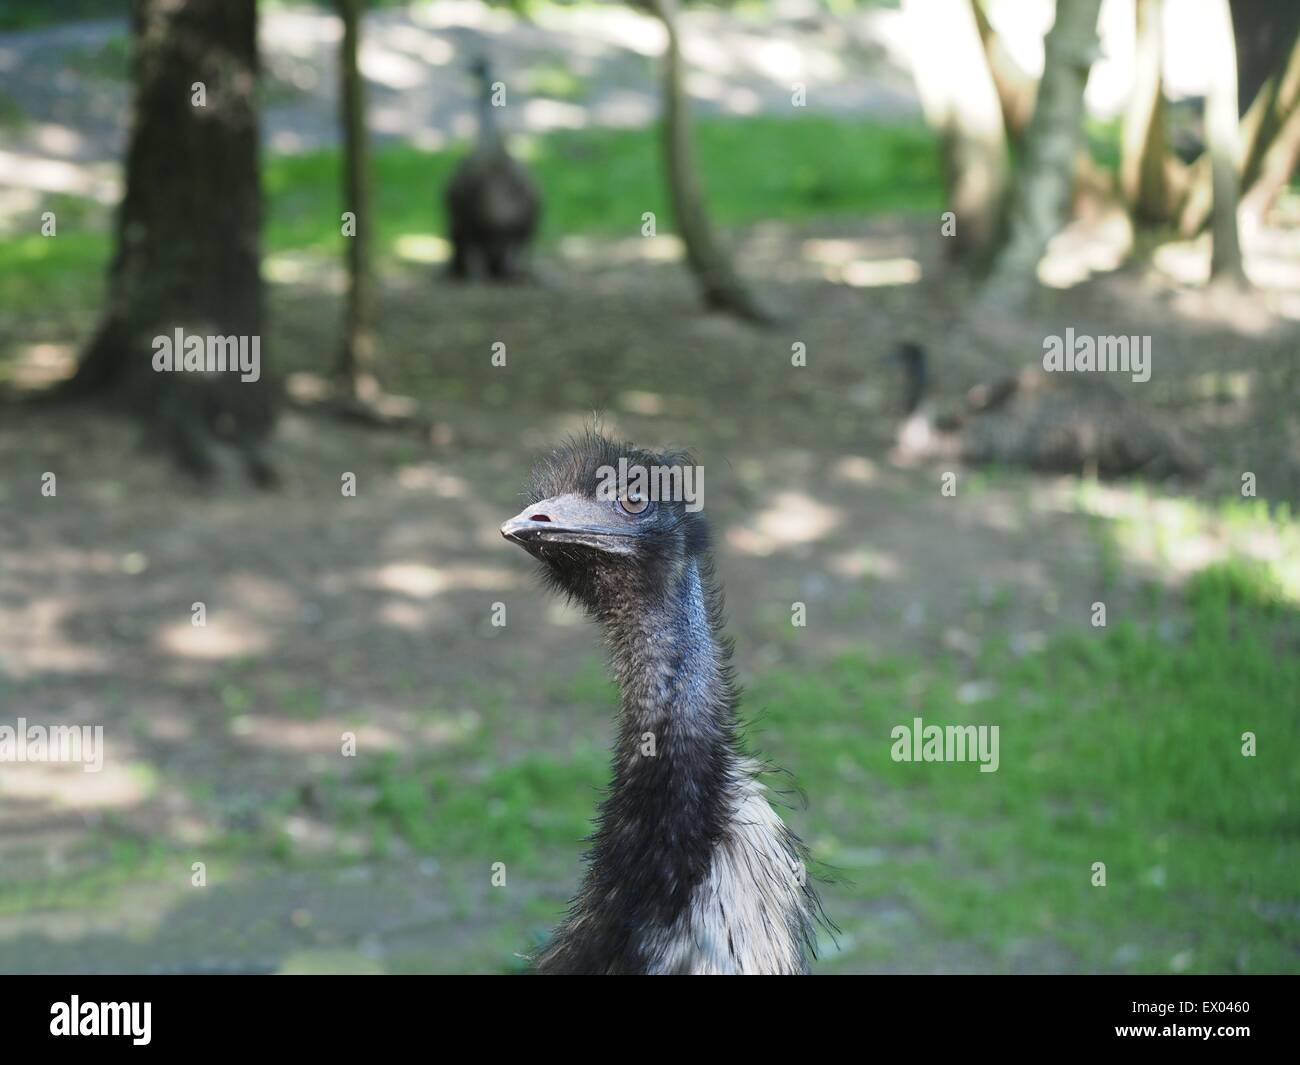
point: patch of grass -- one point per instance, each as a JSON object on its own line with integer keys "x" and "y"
{"x": 58, "y": 274}
{"x": 601, "y": 181}
{"x": 556, "y": 80}
{"x": 1103, "y": 136}
{"x": 12, "y": 115}
{"x": 109, "y": 60}
{"x": 514, "y": 812}
{"x": 301, "y": 701}
{"x": 1233, "y": 583}
{"x": 595, "y": 181}
{"x": 1116, "y": 747}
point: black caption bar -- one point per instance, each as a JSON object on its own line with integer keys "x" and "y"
{"x": 339, "y": 1014}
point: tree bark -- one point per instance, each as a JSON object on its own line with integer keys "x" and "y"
{"x": 357, "y": 356}
{"x": 720, "y": 286}
{"x": 188, "y": 235}
{"x": 1225, "y": 153}
{"x": 1142, "y": 156}
{"x": 1045, "y": 178}
{"x": 961, "y": 103}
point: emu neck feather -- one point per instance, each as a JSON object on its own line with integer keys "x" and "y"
{"x": 690, "y": 870}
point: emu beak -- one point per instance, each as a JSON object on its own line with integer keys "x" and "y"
{"x": 569, "y": 519}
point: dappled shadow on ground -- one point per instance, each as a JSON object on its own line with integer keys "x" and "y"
{"x": 328, "y": 614}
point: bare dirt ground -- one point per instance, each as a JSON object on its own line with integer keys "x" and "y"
{"x": 328, "y": 613}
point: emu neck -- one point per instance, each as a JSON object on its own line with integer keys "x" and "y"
{"x": 671, "y": 670}
{"x": 676, "y": 768}
{"x": 489, "y": 133}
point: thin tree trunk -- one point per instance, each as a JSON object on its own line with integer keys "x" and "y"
{"x": 1017, "y": 93}
{"x": 357, "y": 357}
{"x": 1017, "y": 88}
{"x": 1265, "y": 153}
{"x": 188, "y": 244}
{"x": 1142, "y": 159}
{"x": 1275, "y": 169}
{"x": 961, "y": 103}
{"x": 1045, "y": 179}
{"x": 720, "y": 285}
{"x": 1225, "y": 153}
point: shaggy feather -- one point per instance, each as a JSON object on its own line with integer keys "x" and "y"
{"x": 689, "y": 870}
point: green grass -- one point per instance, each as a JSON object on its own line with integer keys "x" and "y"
{"x": 601, "y": 181}
{"x": 1117, "y": 747}
{"x": 110, "y": 60}
{"x": 595, "y": 181}
{"x": 512, "y": 813}
{"x": 12, "y": 116}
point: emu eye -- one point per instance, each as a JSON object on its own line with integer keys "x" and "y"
{"x": 633, "y": 505}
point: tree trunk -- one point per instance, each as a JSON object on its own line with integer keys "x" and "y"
{"x": 961, "y": 103}
{"x": 1045, "y": 179}
{"x": 1262, "y": 124}
{"x": 357, "y": 357}
{"x": 1264, "y": 31}
{"x": 1017, "y": 93}
{"x": 1225, "y": 155}
{"x": 720, "y": 285}
{"x": 188, "y": 236}
{"x": 1142, "y": 159}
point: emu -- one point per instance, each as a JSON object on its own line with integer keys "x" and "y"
{"x": 690, "y": 870}
{"x": 492, "y": 201}
{"x": 1060, "y": 423}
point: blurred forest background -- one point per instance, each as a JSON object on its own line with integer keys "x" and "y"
{"x": 826, "y": 179}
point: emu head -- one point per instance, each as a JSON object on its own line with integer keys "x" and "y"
{"x": 607, "y": 540}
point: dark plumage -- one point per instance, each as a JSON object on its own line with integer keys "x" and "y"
{"x": 689, "y": 869}
{"x": 492, "y": 202}
{"x": 1052, "y": 423}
